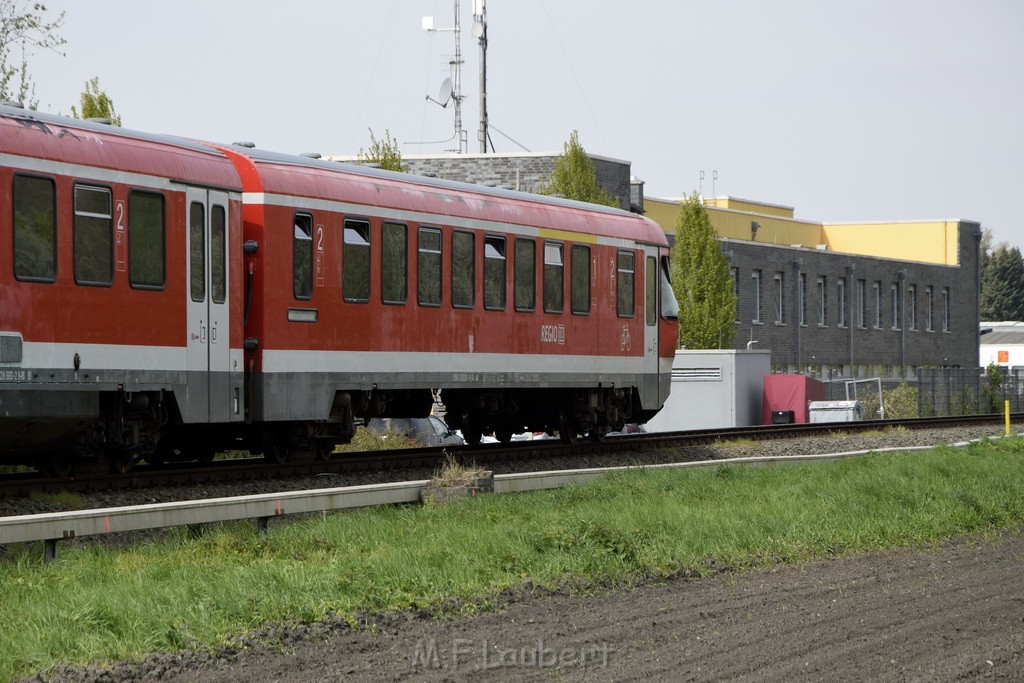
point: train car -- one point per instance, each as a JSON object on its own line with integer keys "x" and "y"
{"x": 373, "y": 293}
{"x": 121, "y": 295}
{"x": 167, "y": 299}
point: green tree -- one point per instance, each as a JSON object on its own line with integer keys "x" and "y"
{"x": 24, "y": 27}
{"x": 383, "y": 153}
{"x": 574, "y": 176}
{"x": 702, "y": 282}
{"x": 96, "y": 104}
{"x": 1002, "y": 284}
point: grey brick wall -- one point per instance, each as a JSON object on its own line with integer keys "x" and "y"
{"x": 526, "y": 172}
{"x": 852, "y": 349}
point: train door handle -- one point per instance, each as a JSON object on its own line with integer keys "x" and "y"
{"x": 202, "y": 332}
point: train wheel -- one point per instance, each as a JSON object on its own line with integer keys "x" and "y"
{"x": 275, "y": 446}
{"x": 503, "y": 435}
{"x": 567, "y": 430}
{"x": 472, "y": 436}
{"x": 60, "y": 465}
{"x": 120, "y": 460}
{"x": 323, "y": 449}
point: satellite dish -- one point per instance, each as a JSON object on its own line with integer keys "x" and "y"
{"x": 478, "y": 30}
{"x": 446, "y": 92}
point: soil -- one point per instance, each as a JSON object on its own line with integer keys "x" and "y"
{"x": 944, "y": 613}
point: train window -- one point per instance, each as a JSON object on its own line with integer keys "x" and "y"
{"x": 428, "y": 267}
{"x": 651, "y": 291}
{"x": 35, "y": 229}
{"x": 580, "y": 279}
{"x": 197, "y": 243}
{"x": 463, "y": 269}
{"x": 355, "y": 274}
{"x": 554, "y": 278}
{"x": 394, "y": 258}
{"x": 624, "y": 285}
{"x": 302, "y": 256}
{"x": 494, "y": 273}
{"x": 218, "y": 254}
{"x": 93, "y": 230}
{"x": 146, "y": 240}
{"x": 525, "y": 286}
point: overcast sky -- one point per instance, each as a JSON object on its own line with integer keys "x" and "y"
{"x": 848, "y": 111}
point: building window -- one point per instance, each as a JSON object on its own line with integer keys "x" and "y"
{"x": 822, "y": 302}
{"x": 780, "y": 298}
{"x": 355, "y": 262}
{"x": 876, "y": 297}
{"x": 554, "y": 278}
{"x": 912, "y": 307}
{"x": 929, "y": 309}
{"x": 841, "y": 302}
{"x": 624, "y": 284}
{"x": 463, "y": 269}
{"x": 736, "y": 291}
{"x": 755, "y": 283}
{"x": 146, "y": 240}
{"x": 93, "y": 243}
{"x": 525, "y": 275}
{"x": 862, "y": 304}
{"x": 302, "y": 256}
{"x": 947, "y": 324}
{"x": 494, "y": 273}
{"x": 895, "y": 305}
{"x": 580, "y": 275}
{"x": 394, "y": 256}
{"x": 801, "y": 304}
{"x": 35, "y": 229}
{"x": 428, "y": 267}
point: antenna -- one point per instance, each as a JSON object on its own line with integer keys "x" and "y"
{"x": 453, "y": 90}
{"x": 480, "y": 33}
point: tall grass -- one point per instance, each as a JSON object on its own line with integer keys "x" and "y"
{"x": 197, "y": 588}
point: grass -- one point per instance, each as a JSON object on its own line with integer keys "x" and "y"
{"x": 738, "y": 443}
{"x": 197, "y": 589}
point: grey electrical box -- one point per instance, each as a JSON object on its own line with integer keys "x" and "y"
{"x": 835, "y": 411}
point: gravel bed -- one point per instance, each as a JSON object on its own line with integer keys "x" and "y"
{"x": 835, "y": 443}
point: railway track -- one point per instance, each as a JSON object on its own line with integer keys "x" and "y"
{"x": 256, "y": 469}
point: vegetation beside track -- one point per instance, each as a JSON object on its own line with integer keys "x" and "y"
{"x": 200, "y": 588}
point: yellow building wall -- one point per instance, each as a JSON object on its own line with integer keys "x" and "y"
{"x": 924, "y": 241}
{"x": 928, "y": 241}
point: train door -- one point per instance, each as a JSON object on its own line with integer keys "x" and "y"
{"x": 652, "y": 288}
{"x": 208, "y": 363}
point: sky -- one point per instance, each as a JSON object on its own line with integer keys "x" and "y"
{"x": 848, "y": 110}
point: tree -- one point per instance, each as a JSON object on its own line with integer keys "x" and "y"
{"x": 383, "y": 153}
{"x": 1002, "y": 285}
{"x": 574, "y": 176}
{"x": 702, "y": 282}
{"x": 22, "y": 28}
{"x": 96, "y": 104}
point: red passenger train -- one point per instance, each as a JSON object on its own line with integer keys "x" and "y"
{"x": 167, "y": 299}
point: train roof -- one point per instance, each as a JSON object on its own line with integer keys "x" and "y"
{"x": 38, "y": 135}
{"x": 293, "y": 175}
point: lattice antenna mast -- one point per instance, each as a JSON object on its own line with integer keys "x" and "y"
{"x": 451, "y": 88}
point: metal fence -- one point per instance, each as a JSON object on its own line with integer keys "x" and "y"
{"x": 968, "y": 391}
{"x": 942, "y": 391}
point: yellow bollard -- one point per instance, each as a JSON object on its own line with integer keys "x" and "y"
{"x": 1006, "y": 411}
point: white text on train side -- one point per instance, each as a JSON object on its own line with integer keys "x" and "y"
{"x": 554, "y": 334}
